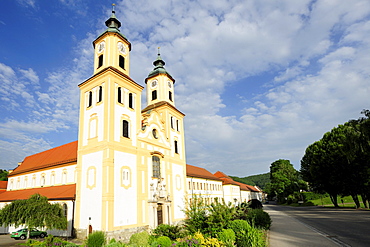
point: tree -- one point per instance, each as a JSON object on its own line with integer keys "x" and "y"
{"x": 339, "y": 162}
{"x": 3, "y": 175}
{"x": 34, "y": 212}
{"x": 284, "y": 179}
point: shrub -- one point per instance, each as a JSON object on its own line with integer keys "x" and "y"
{"x": 163, "y": 241}
{"x": 219, "y": 215}
{"x": 96, "y": 239}
{"x": 241, "y": 212}
{"x": 254, "y": 203}
{"x": 173, "y": 232}
{"x": 227, "y": 236}
{"x": 139, "y": 239}
{"x": 259, "y": 218}
{"x": 196, "y": 215}
{"x": 188, "y": 241}
{"x": 246, "y": 235}
{"x": 208, "y": 242}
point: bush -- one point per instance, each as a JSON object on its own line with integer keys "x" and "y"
{"x": 254, "y": 203}
{"x": 139, "y": 239}
{"x": 173, "y": 232}
{"x": 162, "y": 241}
{"x": 208, "y": 242}
{"x": 246, "y": 235}
{"x": 196, "y": 215}
{"x": 259, "y": 218}
{"x": 188, "y": 241}
{"x": 96, "y": 239}
{"x": 227, "y": 236}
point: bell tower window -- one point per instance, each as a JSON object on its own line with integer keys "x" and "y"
{"x": 122, "y": 62}
{"x": 130, "y": 101}
{"x": 125, "y": 128}
{"x": 90, "y": 99}
{"x": 100, "y": 96}
{"x": 119, "y": 95}
{"x": 100, "y": 62}
{"x": 170, "y": 95}
{"x": 154, "y": 94}
{"x": 176, "y": 147}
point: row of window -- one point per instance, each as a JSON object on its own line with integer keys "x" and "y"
{"x": 174, "y": 123}
{"x": 206, "y": 200}
{"x": 155, "y": 95}
{"x": 120, "y": 97}
{"x": 204, "y": 186}
{"x": 121, "y": 61}
{"x": 31, "y": 184}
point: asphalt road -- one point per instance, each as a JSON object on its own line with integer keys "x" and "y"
{"x": 344, "y": 227}
{"x": 6, "y": 240}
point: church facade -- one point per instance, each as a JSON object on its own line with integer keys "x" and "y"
{"x": 127, "y": 172}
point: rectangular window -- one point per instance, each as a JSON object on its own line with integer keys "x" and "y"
{"x": 100, "y": 62}
{"x": 125, "y": 128}
{"x": 119, "y": 95}
{"x": 176, "y": 148}
{"x": 100, "y": 96}
{"x": 122, "y": 62}
{"x": 90, "y": 99}
{"x": 130, "y": 101}
{"x": 170, "y": 95}
{"x": 156, "y": 166}
{"x": 154, "y": 94}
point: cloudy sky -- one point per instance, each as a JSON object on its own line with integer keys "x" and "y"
{"x": 258, "y": 80}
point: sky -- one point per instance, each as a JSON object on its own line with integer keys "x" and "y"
{"x": 258, "y": 80}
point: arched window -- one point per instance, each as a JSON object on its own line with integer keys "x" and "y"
{"x": 154, "y": 94}
{"x": 130, "y": 101}
{"x": 170, "y": 95}
{"x": 100, "y": 94}
{"x": 122, "y": 62}
{"x": 171, "y": 122}
{"x": 125, "y": 128}
{"x": 119, "y": 95}
{"x": 156, "y": 166}
{"x": 42, "y": 182}
{"x": 90, "y": 99}
{"x": 177, "y": 125}
{"x": 100, "y": 63}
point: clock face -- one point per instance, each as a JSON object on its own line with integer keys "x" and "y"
{"x": 101, "y": 46}
{"x": 121, "y": 48}
{"x": 154, "y": 83}
{"x": 169, "y": 84}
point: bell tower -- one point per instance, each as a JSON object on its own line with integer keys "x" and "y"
{"x": 112, "y": 48}
{"x": 160, "y": 84}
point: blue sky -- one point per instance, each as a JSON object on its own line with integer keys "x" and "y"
{"x": 258, "y": 80}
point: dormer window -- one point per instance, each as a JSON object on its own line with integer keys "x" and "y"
{"x": 100, "y": 62}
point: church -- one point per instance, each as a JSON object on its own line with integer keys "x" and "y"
{"x": 127, "y": 172}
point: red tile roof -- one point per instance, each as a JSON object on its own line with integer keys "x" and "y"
{"x": 64, "y": 154}
{"x": 3, "y": 185}
{"x": 225, "y": 179}
{"x": 63, "y": 192}
{"x": 243, "y": 186}
{"x": 198, "y": 172}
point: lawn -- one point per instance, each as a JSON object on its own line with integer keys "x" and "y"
{"x": 345, "y": 201}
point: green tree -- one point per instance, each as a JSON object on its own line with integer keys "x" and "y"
{"x": 3, "y": 175}
{"x": 339, "y": 163}
{"x": 284, "y": 179}
{"x": 34, "y": 212}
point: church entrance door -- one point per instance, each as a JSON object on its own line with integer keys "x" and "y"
{"x": 160, "y": 214}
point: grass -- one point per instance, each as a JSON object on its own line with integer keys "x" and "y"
{"x": 346, "y": 202}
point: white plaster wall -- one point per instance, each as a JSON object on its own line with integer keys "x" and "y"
{"x": 125, "y": 199}
{"x": 121, "y": 110}
{"x": 178, "y": 188}
{"x": 97, "y": 109}
{"x": 91, "y": 198}
{"x": 207, "y": 190}
{"x": 58, "y": 173}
